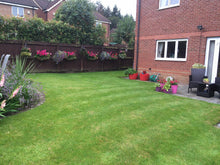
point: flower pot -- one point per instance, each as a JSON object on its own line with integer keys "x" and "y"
{"x": 133, "y": 76}
{"x": 158, "y": 89}
{"x": 144, "y": 77}
{"x": 174, "y": 88}
{"x": 169, "y": 91}
{"x": 161, "y": 85}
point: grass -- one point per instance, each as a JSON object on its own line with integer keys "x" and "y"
{"x": 100, "y": 118}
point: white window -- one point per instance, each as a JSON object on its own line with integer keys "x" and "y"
{"x": 168, "y": 3}
{"x": 17, "y": 11}
{"x": 172, "y": 50}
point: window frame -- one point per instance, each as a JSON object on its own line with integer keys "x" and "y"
{"x": 18, "y": 12}
{"x": 165, "y": 58}
{"x": 168, "y": 6}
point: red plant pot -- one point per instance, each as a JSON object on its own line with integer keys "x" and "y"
{"x": 133, "y": 76}
{"x": 144, "y": 77}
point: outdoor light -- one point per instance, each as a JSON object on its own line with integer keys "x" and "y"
{"x": 200, "y": 27}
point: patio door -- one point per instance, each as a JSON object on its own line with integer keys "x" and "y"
{"x": 212, "y": 58}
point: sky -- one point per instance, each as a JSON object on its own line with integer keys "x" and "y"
{"x": 125, "y": 6}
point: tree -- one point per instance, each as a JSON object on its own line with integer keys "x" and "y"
{"x": 80, "y": 14}
{"x": 125, "y": 30}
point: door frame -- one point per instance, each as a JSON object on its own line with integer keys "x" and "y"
{"x": 215, "y": 57}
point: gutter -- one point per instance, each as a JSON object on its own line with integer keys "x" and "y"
{"x": 138, "y": 33}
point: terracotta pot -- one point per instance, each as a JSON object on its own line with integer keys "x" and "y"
{"x": 133, "y": 76}
{"x": 144, "y": 77}
{"x": 174, "y": 88}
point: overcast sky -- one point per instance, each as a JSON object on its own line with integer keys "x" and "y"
{"x": 125, "y": 6}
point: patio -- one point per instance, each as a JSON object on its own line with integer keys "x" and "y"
{"x": 183, "y": 92}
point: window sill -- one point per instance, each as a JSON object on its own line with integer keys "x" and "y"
{"x": 167, "y": 59}
{"x": 167, "y": 7}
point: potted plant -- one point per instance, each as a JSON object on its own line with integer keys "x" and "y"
{"x": 162, "y": 82}
{"x": 158, "y": 88}
{"x": 122, "y": 54}
{"x": 92, "y": 55}
{"x": 43, "y": 55}
{"x": 174, "y": 86}
{"x": 167, "y": 87}
{"x": 113, "y": 56}
{"x": 104, "y": 56}
{"x": 144, "y": 76}
{"x": 197, "y": 72}
{"x": 59, "y": 56}
{"x": 25, "y": 51}
{"x": 70, "y": 56}
{"x": 131, "y": 73}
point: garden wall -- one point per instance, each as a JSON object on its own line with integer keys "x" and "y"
{"x": 81, "y": 64}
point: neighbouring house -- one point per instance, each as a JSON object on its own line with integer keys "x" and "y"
{"x": 47, "y": 8}
{"x": 104, "y": 22}
{"x": 172, "y": 35}
{"x": 18, "y": 8}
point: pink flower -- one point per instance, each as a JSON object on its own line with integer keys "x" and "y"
{"x": 3, "y": 104}
{"x": 15, "y": 92}
{"x": 2, "y": 81}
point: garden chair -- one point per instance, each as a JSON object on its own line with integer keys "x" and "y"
{"x": 195, "y": 81}
{"x": 217, "y": 85}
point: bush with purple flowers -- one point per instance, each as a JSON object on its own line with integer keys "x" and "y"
{"x": 17, "y": 91}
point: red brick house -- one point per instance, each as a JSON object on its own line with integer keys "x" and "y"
{"x": 172, "y": 35}
{"x": 18, "y": 8}
{"x": 47, "y": 8}
{"x": 105, "y": 22}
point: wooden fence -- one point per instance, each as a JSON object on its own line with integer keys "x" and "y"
{"x": 81, "y": 64}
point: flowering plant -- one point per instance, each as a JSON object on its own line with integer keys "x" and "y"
{"x": 59, "y": 56}
{"x": 25, "y": 51}
{"x": 4, "y": 101}
{"x": 70, "y": 55}
{"x": 43, "y": 55}
{"x": 122, "y": 54}
{"x": 104, "y": 56}
{"x": 113, "y": 56}
{"x": 92, "y": 55}
{"x": 174, "y": 82}
{"x": 163, "y": 81}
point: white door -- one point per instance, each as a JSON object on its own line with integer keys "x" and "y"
{"x": 212, "y": 58}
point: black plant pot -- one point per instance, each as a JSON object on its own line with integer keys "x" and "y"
{"x": 197, "y": 74}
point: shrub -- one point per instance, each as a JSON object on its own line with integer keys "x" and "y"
{"x": 17, "y": 91}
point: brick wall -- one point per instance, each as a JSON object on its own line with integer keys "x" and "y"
{"x": 107, "y": 34}
{"x": 176, "y": 23}
{"x": 6, "y": 10}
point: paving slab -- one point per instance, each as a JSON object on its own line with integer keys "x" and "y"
{"x": 183, "y": 92}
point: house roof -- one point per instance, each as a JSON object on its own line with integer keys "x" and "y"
{"x": 26, "y": 3}
{"x": 46, "y": 5}
{"x": 101, "y": 18}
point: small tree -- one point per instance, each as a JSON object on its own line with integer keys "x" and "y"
{"x": 125, "y": 31}
{"x": 80, "y": 14}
